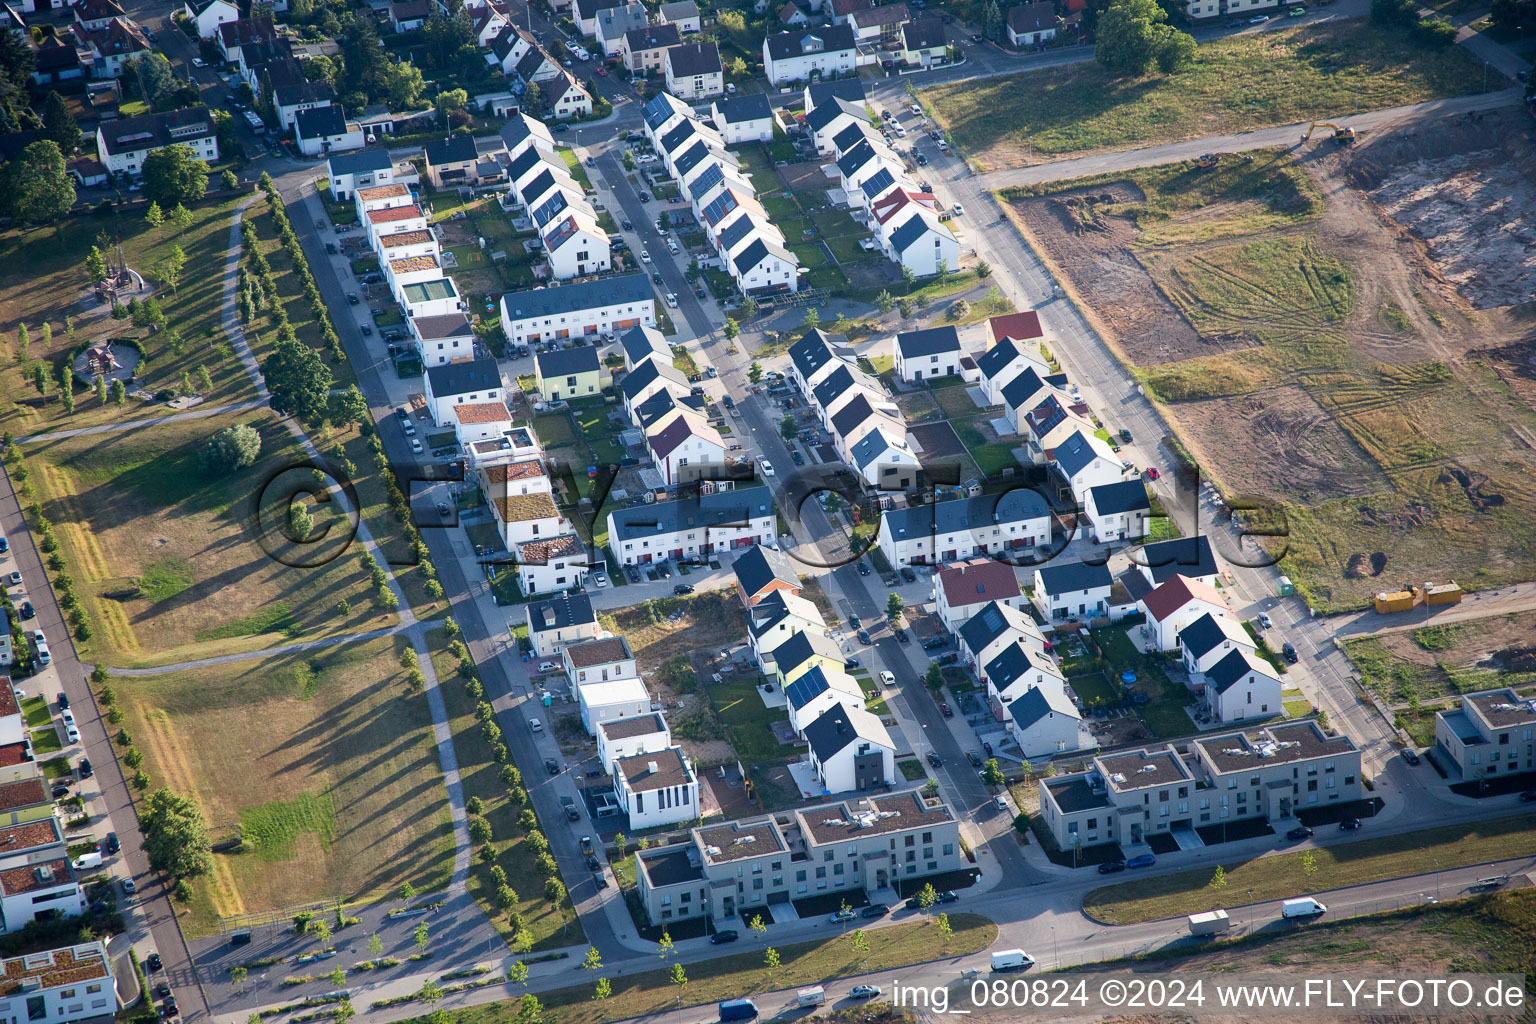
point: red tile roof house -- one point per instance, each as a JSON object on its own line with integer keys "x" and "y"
{"x": 1174, "y": 605}
{"x": 962, "y": 589}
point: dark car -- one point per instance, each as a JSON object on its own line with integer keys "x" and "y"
{"x": 26, "y": 610}
{"x": 153, "y": 962}
{"x": 657, "y": 278}
{"x": 63, "y": 701}
{"x": 1411, "y": 757}
{"x": 645, "y": 197}
{"x": 854, "y": 622}
{"x": 797, "y": 458}
{"x": 933, "y": 643}
{"x": 946, "y": 711}
{"x": 593, "y": 864}
{"x": 1529, "y": 796}
{"x": 864, "y": 637}
{"x": 1299, "y": 832}
{"x": 724, "y": 935}
{"x": 987, "y": 746}
{"x": 60, "y": 792}
{"x": 901, "y": 636}
{"x": 948, "y": 896}
{"x": 875, "y": 910}
{"x": 1143, "y": 860}
{"x": 700, "y": 293}
{"x": 552, "y": 765}
{"x": 853, "y": 663}
{"x": 169, "y": 1007}
{"x": 1125, "y": 435}
{"x": 86, "y": 771}
{"x": 628, "y": 226}
{"x": 330, "y": 248}
{"x": 1350, "y": 825}
{"x": 112, "y": 846}
{"x": 935, "y": 760}
{"x": 682, "y": 588}
{"x": 863, "y": 568}
{"x": 974, "y": 758}
{"x": 1289, "y": 652}
{"x": 162, "y": 990}
{"x": 367, "y": 331}
{"x": 1109, "y": 867}
{"x": 908, "y": 574}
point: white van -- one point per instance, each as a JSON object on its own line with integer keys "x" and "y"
{"x": 1306, "y": 906}
{"x": 811, "y": 996}
{"x": 88, "y": 860}
{"x": 1011, "y": 960}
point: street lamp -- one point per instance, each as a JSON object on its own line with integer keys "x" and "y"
{"x": 1055, "y": 950}
{"x": 1250, "y": 910}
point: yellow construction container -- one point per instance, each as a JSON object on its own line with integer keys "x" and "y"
{"x": 1442, "y": 593}
{"x": 1398, "y": 601}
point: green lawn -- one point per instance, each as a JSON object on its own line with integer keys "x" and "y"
{"x": 748, "y": 721}
{"x": 1164, "y": 713}
{"x": 727, "y": 977}
{"x": 1284, "y": 875}
{"x": 37, "y": 712}
{"x": 573, "y": 161}
{"x": 46, "y": 741}
{"x": 1238, "y": 83}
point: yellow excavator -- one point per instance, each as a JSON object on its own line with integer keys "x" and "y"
{"x": 1341, "y": 134}
{"x": 1208, "y": 160}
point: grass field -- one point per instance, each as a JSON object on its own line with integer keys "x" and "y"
{"x": 132, "y": 510}
{"x": 801, "y": 963}
{"x": 747, "y": 721}
{"x": 479, "y": 774}
{"x": 323, "y": 759}
{"x": 1238, "y": 84}
{"x": 1285, "y": 875}
{"x": 42, "y": 281}
{"x": 261, "y": 334}
{"x": 1432, "y": 662}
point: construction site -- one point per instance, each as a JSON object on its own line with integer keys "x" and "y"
{"x": 1366, "y": 360}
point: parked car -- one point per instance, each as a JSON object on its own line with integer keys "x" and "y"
{"x": 948, "y": 896}
{"x": 838, "y": 917}
{"x": 946, "y": 710}
{"x": 1110, "y": 867}
{"x": 27, "y": 611}
{"x": 864, "y": 637}
{"x": 887, "y": 679}
{"x": 767, "y": 467}
{"x": 1350, "y": 825}
{"x": 1142, "y": 860}
{"x": 1299, "y": 833}
{"x": 1289, "y": 652}
{"x": 13, "y": 580}
{"x": 112, "y": 846}
{"x": 935, "y": 760}
{"x": 908, "y": 574}
{"x": 552, "y": 765}
{"x": 854, "y": 622}
{"x": 1152, "y": 473}
{"x": 593, "y": 864}
{"x": 682, "y": 588}
{"x": 853, "y": 663}
{"x": 974, "y": 758}
{"x": 153, "y": 961}
{"x": 901, "y": 636}
{"x": 63, "y": 701}
{"x": 863, "y": 568}
{"x": 864, "y": 991}
{"x": 129, "y": 886}
{"x": 933, "y": 643}
{"x": 1265, "y": 621}
{"x": 724, "y": 935}
{"x": 1410, "y": 757}
{"x": 875, "y": 910}
{"x": 86, "y": 771}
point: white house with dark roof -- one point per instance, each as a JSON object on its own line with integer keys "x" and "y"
{"x": 650, "y": 378}
{"x": 726, "y": 519}
{"x": 122, "y": 145}
{"x": 349, "y": 172}
{"x": 450, "y": 384}
{"x": 1072, "y": 590}
{"x": 610, "y": 700}
{"x": 694, "y": 71}
{"x": 1183, "y": 556}
{"x": 1043, "y": 721}
{"x": 794, "y": 56}
{"x": 562, "y": 620}
{"x": 627, "y": 737}
{"x": 614, "y": 22}
{"x": 685, "y": 447}
{"x": 289, "y": 100}
{"x": 818, "y": 689}
{"x": 775, "y": 619}
{"x": 923, "y": 43}
{"x": 885, "y": 461}
{"x": 850, "y": 749}
{"x": 644, "y": 49}
{"x": 830, "y": 119}
{"x": 1242, "y": 687}
{"x": 656, "y": 789}
{"x": 928, "y": 353}
{"x": 324, "y": 130}
{"x": 764, "y": 571}
{"x": 961, "y": 589}
{"x": 207, "y": 15}
{"x": 682, "y": 13}
{"x": 1005, "y": 360}
{"x": 1086, "y": 461}
{"x": 1030, "y": 24}
{"x": 1009, "y": 525}
{"x": 442, "y": 339}
{"x": 994, "y": 626}
{"x": 1118, "y": 511}
{"x": 1025, "y": 391}
{"x": 1019, "y": 665}
{"x": 1209, "y": 638}
{"x": 1174, "y": 605}
{"x": 605, "y": 306}
{"x": 743, "y": 119}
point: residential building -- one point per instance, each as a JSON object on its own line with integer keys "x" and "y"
{"x": 324, "y": 130}
{"x": 723, "y": 519}
{"x": 1183, "y": 556}
{"x": 694, "y": 72}
{"x": 1005, "y": 360}
{"x": 574, "y": 244}
{"x": 1072, "y": 590}
{"x": 1241, "y": 687}
{"x": 410, "y": 270}
{"x": 880, "y": 26}
{"x": 762, "y": 571}
{"x": 1210, "y": 638}
{"x": 1492, "y": 733}
{"x": 39, "y": 885}
{"x": 442, "y": 339}
{"x": 614, "y": 22}
{"x": 611, "y": 700}
{"x": 545, "y": 564}
{"x": 113, "y": 45}
{"x": 1118, "y": 511}
{"x": 644, "y": 49}
{"x": 814, "y": 356}
{"x": 656, "y": 789}
{"x": 685, "y": 447}
{"x": 911, "y": 234}
{"x": 562, "y": 620}
{"x": 290, "y": 100}
{"x": 450, "y": 384}
{"x": 1086, "y": 461}
{"x": 565, "y": 97}
{"x": 983, "y": 636}
{"x": 682, "y": 13}
{"x": 393, "y": 220}
{"x": 1031, "y": 24}
{"x": 1052, "y": 422}
{"x": 864, "y": 845}
{"x": 742, "y": 119}
{"x": 450, "y": 162}
{"x": 207, "y": 15}
{"x": 927, "y": 354}
{"x": 7, "y": 657}
{"x": 815, "y": 659}
{"x": 408, "y": 15}
{"x": 599, "y": 660}
{"x": 885, "y": 460}
{"x": 961, "y": 589}
{"x": 833, "y": 117}
{"x": 604, "y": 306}
{"x": 628, "y": 737}
{"x": 1026, "y": 390}
{"x": 795, "y": 56}
{"x": 1021, "y": 663}
{"x": 922, "y": 43}
{"x": 62, "y": 986}
{"x": 122, "y": 145}
{"x": 1009, "y": 525}
{"x": 431, "y": 298}
{"x": 640, "y": 344}
{"x": 651, "y": 378}
{"x": 479, "y": 421}
{"x": 775, "y": 619}
{"x": 570, "y": 373}
{"x": 235, "y": 36}
{"x": 1044, "y": 722}
{"x": 1174, "y": 605}
{"x": 850, "y": 749}
{"x": 1122, "y": 799}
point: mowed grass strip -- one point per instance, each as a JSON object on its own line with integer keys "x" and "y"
{"x": 743, "y": 974}
{"x": 1284, "y": 875}
{"x": 550, "y": 925}
{"x": 1238, "y": 84}
{"x": 173, "y": 565}
{"x": 323, "y": 759}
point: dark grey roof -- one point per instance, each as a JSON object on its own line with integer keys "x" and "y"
{"x": 560, "y": 612}
{"x": 1014, "y": 662}
{"x": 759, "y": 566}
{"x": 723, "y": 508}
{"x": 825, "y": 113}
{"x": 908, "y": 235}
{"x": 851, "y": 415}
{"x": 628, "y": 728}
{"x": 455, "y": 149}
{"x": 814, "y": 351}
{"x": 462, "y": 378}
{"x": 849, "y": 137}
{"x": 661, "y": 107}
{"x": 518, "y": 128}
{"x": 1236, "y": 666}
{"x": 1022, "y": 388}
{"x": 737, "y": 230}
{"x": 878, "y": 182}
{"x": 818, "y": 93}
{"x": 566, "y": 361}
{"x": 1035, "y": 17}
{"x": 1072, "y": 793}
{"x": 679, "y": 134}
{"x": 568, "y": 298}
{"x": 928, "y": 342}
{"x": 870, "y": 447}
{"x": 707, "y": 179}
{"x": 739, "y": 109}
{"x": 803, "y": 690}
{"x": 648, "y": 371}
{"x": 1067, "y": 577}
{"x": 995, "y": 359}
{"x": 359, "y": 162}
{"x": 693, "y": 59}
{"x": 759, "y": 251}
{"x": 836, "y": 382}
{"x": 652, "y": 36}
{"x": 826, "y": 39}
{"x": 800, "y": 648}
{"x": 447, "y": 325}
{"x": 302, "y": 92}
{"x": 1040, "y": 702}
{"x": 641, "y": 342}
{"x": 1073, "y": 454}
{"x": 856, "y": 158}
{"x": 1203, "y": 635}
{"x": 984, "y": 627}
{"x": 690, "y": 158}
{"x": 1125, "y": 496}
{"x": 155, "y": 131}
{"x": 1183, "y": 556}
{"x": 318, "y": 122}
{"x": 839, "y": 726}
{"x": 944, "y": 517}
{"x": 524, "y": 162}
{"x": 923, "y": 33}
